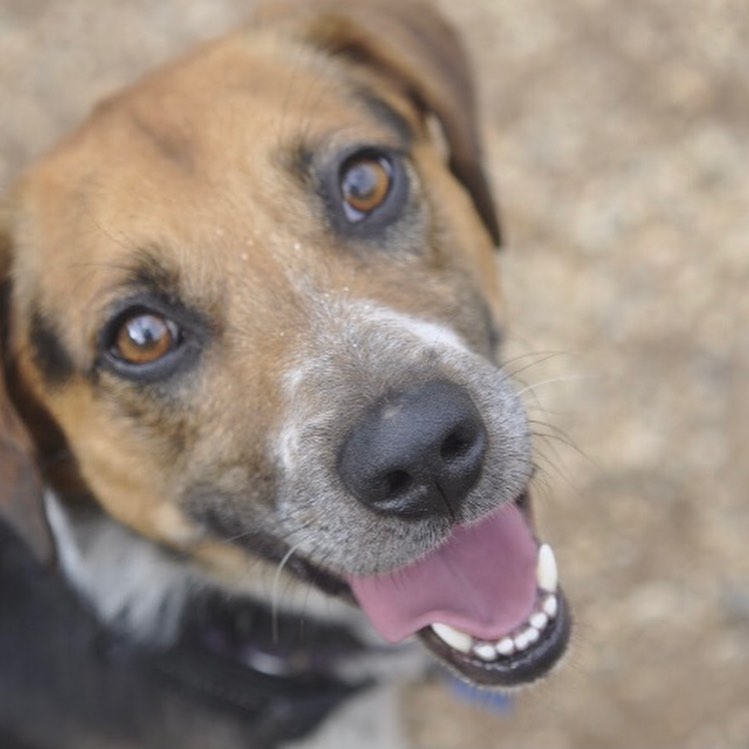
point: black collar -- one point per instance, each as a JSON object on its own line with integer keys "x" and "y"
{"x": 278, "y": 667}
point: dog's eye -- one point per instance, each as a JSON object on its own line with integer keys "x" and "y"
{"x": 144, "y": 338}
{"x": 365, "y": 190}
{"x": 148, "y": 341}
{"x": 365, "y": 180}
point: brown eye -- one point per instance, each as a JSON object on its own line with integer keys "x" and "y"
{"x": 365, "y": 183}
{"x": 145, "y": 338}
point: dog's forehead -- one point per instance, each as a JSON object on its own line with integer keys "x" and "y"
{"x": 198, "y": 159}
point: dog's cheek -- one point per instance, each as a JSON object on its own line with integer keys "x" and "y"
{"x": 166, "y": 424}
{"x": 480, "y": 325}
{"x": 457, "y": 234}
{"x": 128, "y": 456}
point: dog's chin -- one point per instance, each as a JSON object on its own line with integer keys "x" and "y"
{"x": 515, "y": 638}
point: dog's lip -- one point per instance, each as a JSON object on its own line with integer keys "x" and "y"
{"x": 520, "y": 667}
{"x": 325, "y": 581}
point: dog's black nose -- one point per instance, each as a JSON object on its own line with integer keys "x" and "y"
{"x": 416, "y": 453}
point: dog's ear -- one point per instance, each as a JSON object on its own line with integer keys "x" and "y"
{"x": 21, "y": 490}
{"x": 409, "y": 41}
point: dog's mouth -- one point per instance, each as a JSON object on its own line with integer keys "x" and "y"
{"x": 487, "y": 602}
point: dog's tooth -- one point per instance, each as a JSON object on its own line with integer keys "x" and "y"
{"x": 506, "y": 646}
{"x": 453, "y": 637}
{"x": 547, "y": 576}
{"x": 539, "y": 620}
{"x": 521, "y": 641}
{"x": 486, "y": 651}
{"x": 532, "y": 634}
{"x": 551, "y": 605}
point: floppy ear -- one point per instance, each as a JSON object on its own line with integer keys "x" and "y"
{"x": 21, "y": 491}
{"x": 410, "y": 42}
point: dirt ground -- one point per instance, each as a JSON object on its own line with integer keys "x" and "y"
{"x": 618, "y": 134}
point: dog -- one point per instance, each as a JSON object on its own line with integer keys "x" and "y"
{"x": 255, "y": 424}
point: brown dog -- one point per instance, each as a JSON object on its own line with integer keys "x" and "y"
{"x": 250, "y": 330}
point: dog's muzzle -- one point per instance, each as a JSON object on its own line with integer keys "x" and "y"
{"x": 406, "y": 471}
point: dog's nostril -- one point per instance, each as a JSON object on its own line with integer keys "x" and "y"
{"x": 397, "y": 482}
{"x": 456, "y": 444}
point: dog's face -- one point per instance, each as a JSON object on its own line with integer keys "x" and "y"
{"x": 256, "y": 295}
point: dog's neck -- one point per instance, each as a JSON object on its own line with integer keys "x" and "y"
{"x": 162, "y": 602}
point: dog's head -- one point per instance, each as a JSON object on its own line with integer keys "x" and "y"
{"x": 251, "y": 309}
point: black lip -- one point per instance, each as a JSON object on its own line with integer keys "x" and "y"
{"x": 521, "y": 668}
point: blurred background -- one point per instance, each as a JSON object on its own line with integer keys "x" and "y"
{"x": 618, "y": 135}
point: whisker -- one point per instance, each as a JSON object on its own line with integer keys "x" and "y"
{"x": 537, "y": 407}
{"x": 541, "y": 480}
{"x": 554, "y": 433}
{"x": 544, "y": 356}
{"x": 553, "y": 380}
{"x": 274, "y": 590}
{"x": 553, "y": 467}
{"x": 309, "y": 589}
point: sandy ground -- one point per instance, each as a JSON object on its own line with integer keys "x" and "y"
{"x": 618, "y": 135}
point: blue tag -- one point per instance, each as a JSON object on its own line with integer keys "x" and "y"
{"x": 496, "y": 702}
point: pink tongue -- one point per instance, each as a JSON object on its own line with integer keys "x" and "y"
{"x": 482, "y": 580}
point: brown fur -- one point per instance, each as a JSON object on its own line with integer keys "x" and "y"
{"x": 196, "y": 165}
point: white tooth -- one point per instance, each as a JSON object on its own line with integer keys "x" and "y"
{"x": 531, "y": 634}
{"x": 485, "y": 651}
{"x": 521, "y": 641}
{"x": 539, "y": 620}
{"x": 453, "y": 637}
{"x": 546, "y": 571}
{"x": 550, "y": 606}
{"x": 506, "y": 646}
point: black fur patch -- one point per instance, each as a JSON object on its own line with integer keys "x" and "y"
{"x": 186, "y": 695}
{"x": 49, "y": 353}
